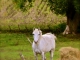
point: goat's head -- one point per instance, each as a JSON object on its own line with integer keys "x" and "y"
{"x": 36, "y": 34}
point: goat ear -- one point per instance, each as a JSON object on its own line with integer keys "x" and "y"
{"x": 40, "y": 32}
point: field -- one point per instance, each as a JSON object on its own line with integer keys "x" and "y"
{"x": 16, "y": 26}
{"x": 12, "y": 44}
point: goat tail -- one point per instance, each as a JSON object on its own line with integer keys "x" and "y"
{"x": 54, "y": 37}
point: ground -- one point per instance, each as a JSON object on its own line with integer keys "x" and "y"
{"x": 12, "y": 44}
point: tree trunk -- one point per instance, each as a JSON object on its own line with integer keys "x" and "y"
{"x": 73, "y": 19}
{"x": 73, "y": 22}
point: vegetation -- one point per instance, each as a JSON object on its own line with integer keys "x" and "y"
{"x": 13, "y": 19}
{"x": 19, "y": 17}
{"x": 27, "y": 28}
{"x": 30, "y": 10}
{"x": 62, "y": 7}
{"x": 71, "y": 9}
{"x": 12, "y": 44}
{"x": 23, "y": 4}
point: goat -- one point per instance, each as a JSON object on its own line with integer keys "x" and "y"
{"x": 43, "y": 43}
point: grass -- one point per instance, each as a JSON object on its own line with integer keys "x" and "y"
{"x": 11, "y": 44}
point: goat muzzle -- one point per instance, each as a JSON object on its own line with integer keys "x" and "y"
{"x": 35, "y": 42}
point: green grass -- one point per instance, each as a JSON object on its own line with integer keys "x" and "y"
{"x": 11, "y": 44}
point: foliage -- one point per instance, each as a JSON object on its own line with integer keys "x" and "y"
{"x": 61, "y": 7}
{"x": 23, "y": 4}
{"x": 59, "y": 28}
{"x": 77, "y": 5}
{"x": 58, "y": 6}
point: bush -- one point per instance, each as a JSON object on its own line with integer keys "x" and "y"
{"x": 27, "y": 28}
{"x": 58, "y": 28}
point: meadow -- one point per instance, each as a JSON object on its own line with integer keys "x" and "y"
{"x": 16, "y": 26}
{"x": 12, "y": 44}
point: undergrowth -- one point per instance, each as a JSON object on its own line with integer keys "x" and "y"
{"x": 57, "y": 28}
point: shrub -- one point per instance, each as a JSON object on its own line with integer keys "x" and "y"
{"x": 58, "y": 28}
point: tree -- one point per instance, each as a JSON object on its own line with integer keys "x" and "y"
{"x": 71, "y": 8}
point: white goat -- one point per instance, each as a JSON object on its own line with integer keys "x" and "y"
{"x": 43, "y": 43}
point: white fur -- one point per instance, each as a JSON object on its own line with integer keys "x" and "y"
{"x": 44, "y": 43}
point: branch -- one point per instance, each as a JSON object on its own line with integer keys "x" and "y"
{"x": 29, "y": 40}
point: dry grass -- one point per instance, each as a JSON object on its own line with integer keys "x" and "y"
{"x": 69, "y": 53}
